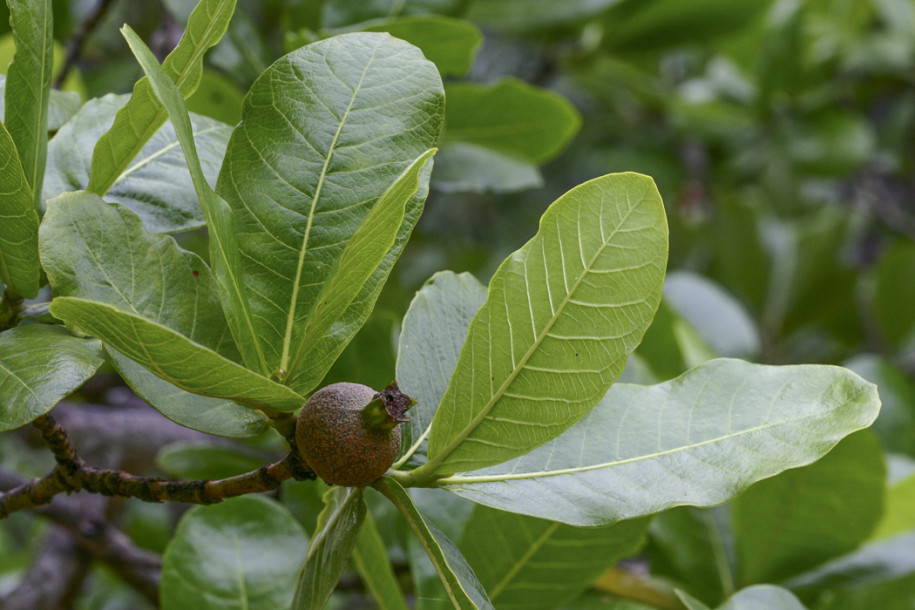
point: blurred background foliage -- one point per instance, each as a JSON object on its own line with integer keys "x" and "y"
{"x": 780, "y": 133}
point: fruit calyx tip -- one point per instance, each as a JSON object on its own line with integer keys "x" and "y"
{"x": 388, "y": 408}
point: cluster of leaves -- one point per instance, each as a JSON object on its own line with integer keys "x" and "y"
{"x": 311, "y": 198}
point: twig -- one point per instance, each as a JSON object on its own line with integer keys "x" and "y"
{"x": 75, "y": 44}
{"x": 72, "y": 474}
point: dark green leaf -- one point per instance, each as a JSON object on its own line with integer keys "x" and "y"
{"x": 562, "y": 316}
{"x": 241, "y": 554}
{"x": 203, "y": 460}
{"x": 326, "y": 131}
{"x": 806, "y": 516}
{"x": 28, "y": 87}
{"x": 62, "y": 105}
{"x": 699, "y": 439}
{"x": 371, "y": 560}
{"x": 449, "y": 43}
{"x": 524, "y": 562}
{"x": 896, "y": 423}
{"x": 331, "y": 545}
{"x": 136, "y": 122}
{"x": 39, "y": 365}
{"x": 19, "y": 267}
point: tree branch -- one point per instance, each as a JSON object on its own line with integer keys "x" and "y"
{"x": 72, "y": 474}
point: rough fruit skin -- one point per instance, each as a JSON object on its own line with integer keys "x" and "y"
{"x": 332, "y": 437}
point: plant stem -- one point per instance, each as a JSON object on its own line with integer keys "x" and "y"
{"x": 72, "y": 474}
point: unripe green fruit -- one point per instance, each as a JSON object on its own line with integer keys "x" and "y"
{"x": 347, "y": 433}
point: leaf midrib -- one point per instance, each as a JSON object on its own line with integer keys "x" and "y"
{"x": 290, "y": 315}
{"x": 475, "y": 422}
{"x": 523, "y": 561}
{"x": 458, "y": 479}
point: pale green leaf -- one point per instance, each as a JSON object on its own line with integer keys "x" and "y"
{"x": 699, "y": 439}
{"x": 155, "y": 184}
{"x": 62, "y": 105}
{"x": 371, "y": 560}
{"x": 39, "y": 365}
{"x": 136, "y": 122}
{"x": 129, "y": 287}
{"x": 224, "y": 252}
{"x": 326, "y": 130}
{"x": 763, "y": 597}
{"x": 203, "y": 413}
{"x": 562, "y": 316}
{"x": 510, "y": 117}
{"x": 365, "y": 252}
{"x": 19, "y": 266}
{"x": 238, "y": 555}
{"x": 331, "y": 545}
{"x": 434, "y": 329}
{"x": 525, "y": 562}
{"x": 450, "y": 44}
{"x": 461, "y": 166}
{"x": 28, "y": 87}
{"x": 461, "y": 584}
{"x": 898, "y": 516}
{"x": 803, "y": 517}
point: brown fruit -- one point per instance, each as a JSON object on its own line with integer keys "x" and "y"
{"x": 348, "y": 433}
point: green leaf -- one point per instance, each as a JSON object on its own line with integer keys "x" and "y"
{"x": 224, "y": 252}
{"x": 243, "y": 553}
{"x": 525, "y": 562}
{"x": 371, "y": 560}
{"x": 806, "y": 516}
{"x": 461, "y": 584}
{"x": 28, "y": 87}
{"x": 205, "y": 460}
{"x": 468, "y": 167}
{"x": 364, "y": 253}
{"x": 895, "y": 288}
{"x": 62, "y": 105}
{"x": 337, "y": 13}
{"x": 19, "y": 267}
{"x": 156, "y": 184}
{"x": 434, "y": 329}
{"x": 896, "y": 423}
{"x": 146, "y": 298}
{"x": 450, "y": 44}
{"x": 210, "y": 415}
{"x": 694, "y": 547}
{"x": 563, "y": 314}
{"x": 137, "y": 121}
{"x": 898, "y": 516}
{"x": 39, "y": 365}
{"x": 523, "y": 15}
{"x": 699, "y": 439}
{"x": 326, "y": 131}
{"x": 331, "y": 546}
{"x": 510, "y": 117}
{"x": 763, "y": 597}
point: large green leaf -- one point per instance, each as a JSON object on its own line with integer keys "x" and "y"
{"x": 434, "y": 329}
{"x": 224, "y": 252}
{"x": 155, "y": 184}
{"x": 371, "y": 560}
{"x": 19, "y": 267}
{"x": 699, "y": 439}
{"x": 806, "y": 516}
{"x": 39, "y": 365}
{"x": 450, "y": 44}
{"x": 28, "y": 87}
{"x": 62, "y": 105}
{"x": 365, "y": 252}
{"x": 147, "y": 298}
{"x": 563, "y": 314}
{"x": 461, "y": 584}
{"x": 326, "y": 130}
{"x": 331, "y": 545}
{"x": 137, "y": 121}
{"x": 241, "y": 554}
{"x": 525, "y": 562}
